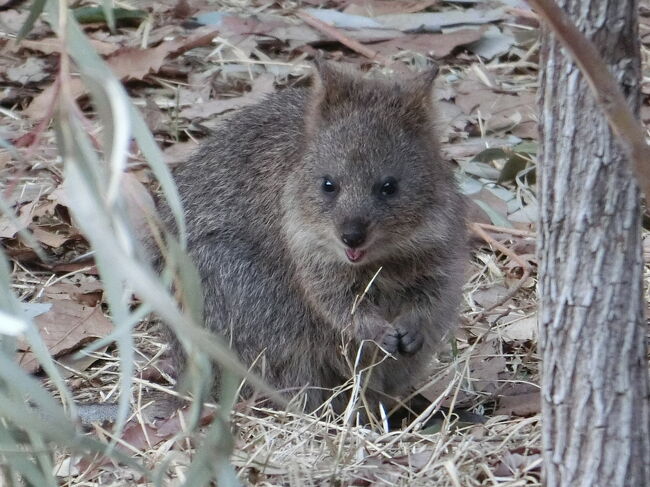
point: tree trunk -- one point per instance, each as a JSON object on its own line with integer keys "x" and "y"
{"x": 595, "y": 399}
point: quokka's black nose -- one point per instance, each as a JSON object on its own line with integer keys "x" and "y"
{"x": 354, "y": 238}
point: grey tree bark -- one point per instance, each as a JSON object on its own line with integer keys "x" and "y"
{"x": 595, "y": 399}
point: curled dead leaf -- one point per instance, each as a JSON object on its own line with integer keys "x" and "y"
{"x": 65, "y": 328}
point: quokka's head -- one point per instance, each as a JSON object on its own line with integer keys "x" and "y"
{"x": 371, "y": 185}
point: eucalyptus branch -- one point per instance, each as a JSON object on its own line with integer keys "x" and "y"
{"x": 629, "y": 131}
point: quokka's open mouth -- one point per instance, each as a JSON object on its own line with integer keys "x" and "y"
{"x": 354, "y": 255}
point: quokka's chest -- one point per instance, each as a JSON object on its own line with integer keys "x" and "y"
{"x": 389, "y": 295}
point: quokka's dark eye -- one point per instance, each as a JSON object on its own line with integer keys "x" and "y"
{"x": 328, "y": 185}
{"x": 388, "y": 187}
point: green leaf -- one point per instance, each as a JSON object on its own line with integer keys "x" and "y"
{"x": 480, "y": 169}
{"x": 189, "y": 280}
{"x": 34, "y": 13}
{"x": 434, "y": 425}
{"x": 109, "y": 13}
{"x": 495, "y": 218}
{"x": 21, "y": 464}
{"x": 527, "y": 147}
{"x": 468, "y": 184}
{"x": 492, "y": 154}
{"x": 154, "y": 157}
{"x": 92, "y": 15}
{"x": 513, "y": 166}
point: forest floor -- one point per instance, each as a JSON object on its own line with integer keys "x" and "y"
{"x": 185, "y": 64}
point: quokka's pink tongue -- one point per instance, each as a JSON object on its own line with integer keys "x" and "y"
{"x": 354, "y": 255}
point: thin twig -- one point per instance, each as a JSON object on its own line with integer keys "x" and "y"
{"x": 335, "y": 33}
{"x": 510, "y": 231}
{"x": 523, "y": 13}
{"x": 476, "y": 228}
{"x": 609, "y": 96}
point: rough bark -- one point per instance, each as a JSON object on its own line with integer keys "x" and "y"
{"x": 595, "y": 399}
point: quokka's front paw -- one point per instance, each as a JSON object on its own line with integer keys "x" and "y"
{"x": 410, "y": 339}
{"x": 390, "y": 341}
{"x": 400, "y": 339}
{"x": 379, "y": 331}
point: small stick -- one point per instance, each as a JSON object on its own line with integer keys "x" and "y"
{"x": 476, "y": 228}
{"x": 335, "y": 33}
{"x": 510, "y": 231}
{"x": 520, "y": 12}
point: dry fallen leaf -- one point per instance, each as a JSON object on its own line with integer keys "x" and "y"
{"x": 435, "y": 21}
{"x": 79, "y": 292}
{"x": 65, "y": 328}
{"x": 70, "y": 365}
{"x": 127, "y": 63}
{"x": 262, "y": 86}
{"x": 521, "y": 329}
{"x": 493, "y": 43}
{"x": 519, "y": 405}
{"x": 526, "y": 130}
{"x": 487, "y": 369}
{"x": 415, "y": 461}
{"x": 498, "y": 110}
{"x": 86, "y": 267}
{"x": 372, "y": 8}
{"x": 485, "y": 373}
{"x": 489, "y": 296}
{"x": 179, "y": 152}
{"x": 8, "y": 229}
{"x": 32, "y": 70}
{"x": 436, "y": 45}
{"x": 51, "y": 239}
{"x": 463, "y": 149}
{"x": 519, "y": 461}
{"x": 145, "y": 436}
{"x": 51, "y": 45}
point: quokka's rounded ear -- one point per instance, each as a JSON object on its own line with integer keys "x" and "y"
{"x": 326, "y": 77}
{"x": 418, "y": 97}
{"x": 323, "y": 70}
{"x": 422, "y": 83}
{"x": 429, "y": 75}
{"x": 331, "y": 86}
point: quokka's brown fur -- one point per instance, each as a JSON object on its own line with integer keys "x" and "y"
{"x": 294, "y": 205}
